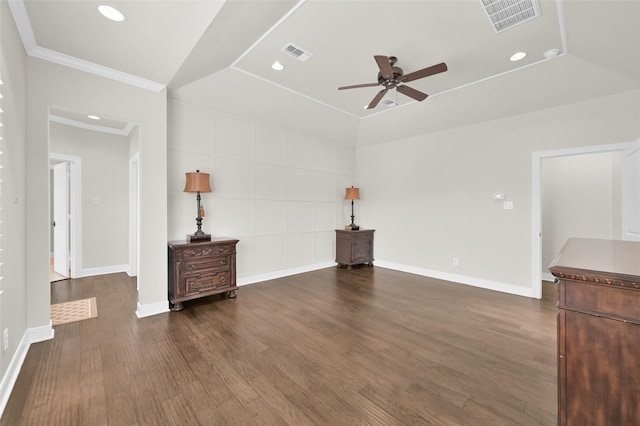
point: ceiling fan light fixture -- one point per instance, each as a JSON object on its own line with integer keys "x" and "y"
{"x": 277, "y": 66}
{"x": 111, "y": 12}
{"x": 551, "y": 53}
{"x": 517, "y": 56}
{"x": 392, "y": 77}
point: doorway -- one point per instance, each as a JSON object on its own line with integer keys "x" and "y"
{"x": 627, "y": 198}
{"x": 580, "y": 199}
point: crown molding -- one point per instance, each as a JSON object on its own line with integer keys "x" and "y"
{"x": 94, "y": 127}
{"x": 128, "y": 128}
{"x": 93, "y": 68}
{"x": 21, "y": 18}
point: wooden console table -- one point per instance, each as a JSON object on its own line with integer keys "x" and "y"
{"x": 598, "y": 332}
{"x": 354, "y": 247}
{"x": 200, "y": 269}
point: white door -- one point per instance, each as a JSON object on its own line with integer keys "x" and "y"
{"x": 61, "y": 219}
{"x": 631, "y": 193}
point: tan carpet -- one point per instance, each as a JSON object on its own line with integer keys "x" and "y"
{"x": 77, "y": 310}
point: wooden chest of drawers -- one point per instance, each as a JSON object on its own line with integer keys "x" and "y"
{"x": 354, "y": 247}
{"x": 200, "y": 269}
{"x": 598, "y": 332}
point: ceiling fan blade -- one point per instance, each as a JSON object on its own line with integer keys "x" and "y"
{"x": 379, "y": 96}
{"x": 359, "y": 85}
{"x": 384, "y": 65}
{"x": 412, "y": 93}
{"x": 425, "y": 72}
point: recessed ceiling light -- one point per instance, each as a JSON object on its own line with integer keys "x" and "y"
{"x": 93, "y": 117}
{"x": 110, "y": 12}
{"x": 277, "y": 66}
{"x": 517, "y": 56}
{"x": 551, "y": 53}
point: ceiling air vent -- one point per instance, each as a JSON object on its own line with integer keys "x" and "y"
{"x": 297, "y": 52}
{"x": 504, "y": 14}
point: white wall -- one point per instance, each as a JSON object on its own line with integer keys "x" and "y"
{"x": 52, "y": 85}
{"x": 278, "y": 191}
{"x": 579, "y": 199}
{"x": 13, "y": 301}
{"x": 430, "y": 197}
{"x": 105, "y": 179}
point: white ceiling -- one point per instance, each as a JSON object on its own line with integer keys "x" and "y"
{"x": 91, "y": 122}
{"x": 218, "y": 55}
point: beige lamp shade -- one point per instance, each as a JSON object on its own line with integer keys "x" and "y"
{"x": 197, "y": 182}
{"x": 352, "y": 194}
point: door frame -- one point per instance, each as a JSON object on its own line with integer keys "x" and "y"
{"x": 75, "y": 210}
{"x": 536, "y": 202}
{"x": 629, "y": 167}
{"x": 134, "y": 167}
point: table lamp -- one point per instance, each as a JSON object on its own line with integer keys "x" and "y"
{"x": 198, "y": 182}
{"x": 352, "y": 194}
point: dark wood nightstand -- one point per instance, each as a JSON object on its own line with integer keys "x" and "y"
{"x": 598, "y": 332}
{"x": 200, "y": 269}
{"x": 354, "y": 247}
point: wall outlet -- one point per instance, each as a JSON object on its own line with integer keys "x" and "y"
{"x": 5, "y": 345}
{"x": 456, "y": 261}
{"x": 508, "y": 205}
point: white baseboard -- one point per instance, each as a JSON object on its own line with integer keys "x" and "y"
{"x": 546, "y": 276}
{"x": 152, "y": 309}
{"x": 252, "y": 279}
{"x": 31, "y": 335}
{"x": 40, "y": 334}
{"x": 102, "y": 270}
{"x": 461, "y": 279}
{"x": 161, "y": 307}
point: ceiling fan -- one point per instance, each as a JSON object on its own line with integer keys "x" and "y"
{"x": 391, "y": 76}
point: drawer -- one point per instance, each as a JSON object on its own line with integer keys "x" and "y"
{"x": 197, "y": 252}
{"x": 361, "y": 250}
{"x": 206, "y": 281}
{"x": 363, "y": 236}
{"x": 600, "y": 300}
{"x": 224, "y": 249}
{"x": 215, "y": 263}
{"x": 359, "y": 245}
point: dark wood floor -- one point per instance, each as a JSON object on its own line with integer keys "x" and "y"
{"x": 331, "y": 347}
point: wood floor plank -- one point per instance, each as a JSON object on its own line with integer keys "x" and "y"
{"x": 331, "y": 347}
